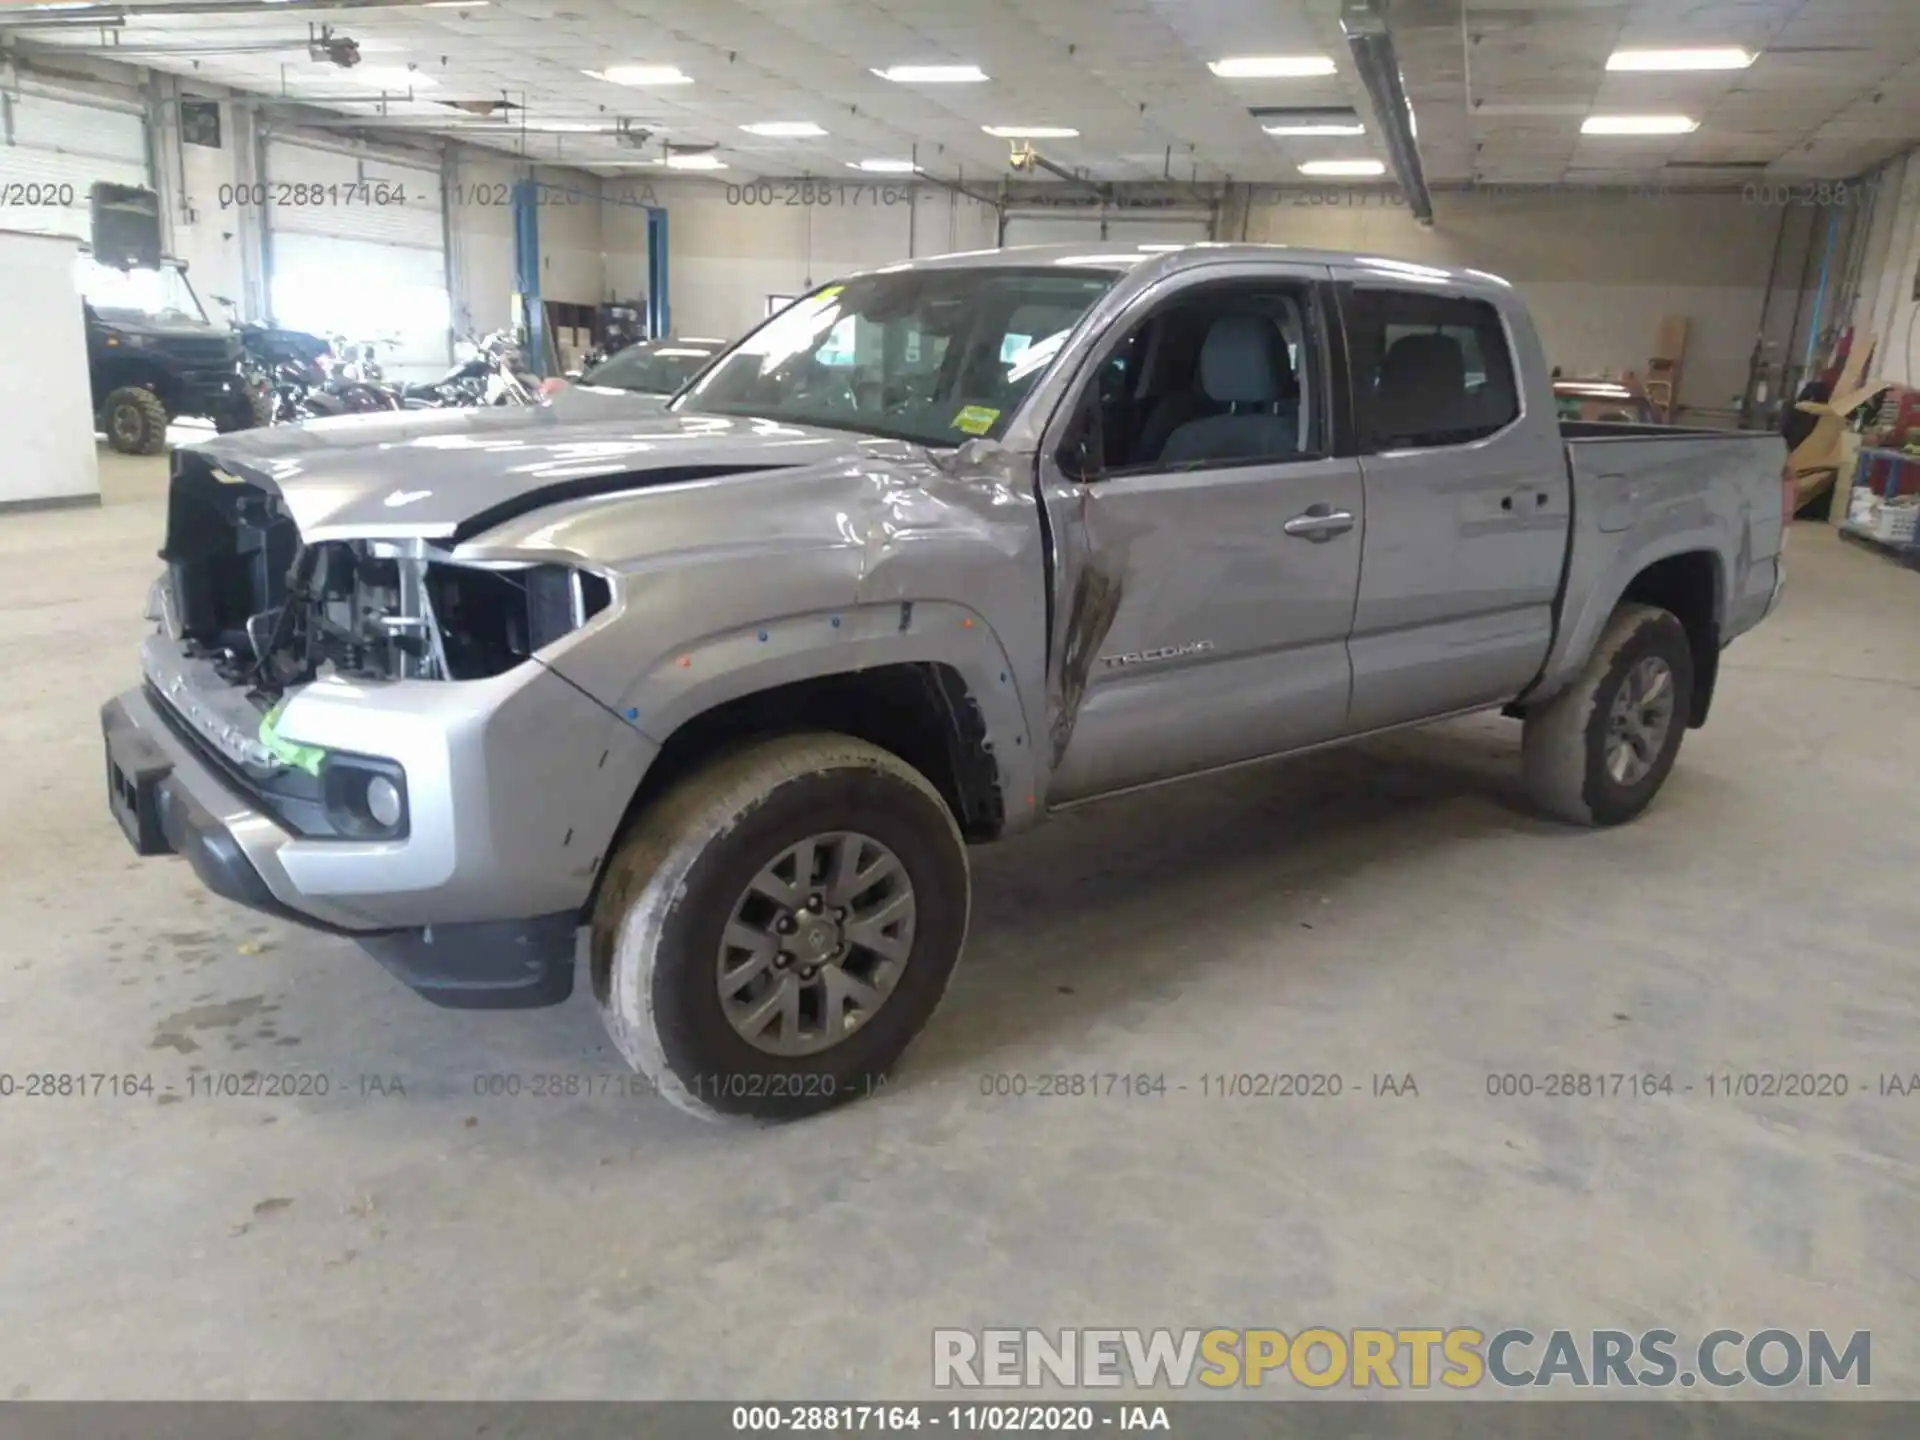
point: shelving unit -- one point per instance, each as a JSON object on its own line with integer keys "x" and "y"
{"x": 1886, "y": 473}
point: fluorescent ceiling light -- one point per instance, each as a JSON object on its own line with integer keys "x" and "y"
{"x": 1271, "y": 67}
{"x": 884, "y": 167}
{"x": 933, "y": 74}
{"x": 1344, "y": 167}
{"x": 556, "y": 127}
{"x": 695, "y": 162}
{"x": 1712, "y": 57}
{"x": 1639, "y": 125}
{"x": 642, "y": 75}
{"x": 382, "y": 77}
{"x": 785, "y": 129}
{"x": 1031, "y": 132}
{"x": 1316, "y": 127}
{"x": 455, "y": 4}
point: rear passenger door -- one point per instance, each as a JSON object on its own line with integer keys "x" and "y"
{"x": 1467, "y": 502}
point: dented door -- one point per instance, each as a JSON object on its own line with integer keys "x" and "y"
{"x": 1201, "y": 608}
{"x": 1195, "y": 631}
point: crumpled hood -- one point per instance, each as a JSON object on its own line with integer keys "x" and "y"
{"x": 438, "y": 474}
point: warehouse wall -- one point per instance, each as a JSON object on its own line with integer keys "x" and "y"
{"x": 623, "y": 241}
{"x": 727, "y": 252}
{"x": 1596, "y": 269}
{"x": 205, "y": 227}
{"x": 480, "y": 229}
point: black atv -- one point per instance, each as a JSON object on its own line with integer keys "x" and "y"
{"x": 153, "y": 355}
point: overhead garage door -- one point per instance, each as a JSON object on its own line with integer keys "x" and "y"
{"x": 358, "y": 250}
{"x": 1127, "y": 229}
{"x": 56, "y": 149}
{"x": 1158, "y": 229}
{"x": 1052, "y": 230}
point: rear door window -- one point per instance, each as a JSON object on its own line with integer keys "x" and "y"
{"x": 1429, "y": 370}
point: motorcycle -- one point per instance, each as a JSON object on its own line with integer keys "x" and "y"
{"x": 493, "y": 374}
{"x": 294, "y": 375}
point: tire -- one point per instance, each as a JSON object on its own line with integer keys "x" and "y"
{"x": 1566, "y": 747}
{"x": 135, "y": 421}
{"x": 680, "y": 880}
{"x": 252, "y": 411}
{"x": 360, "y": 398}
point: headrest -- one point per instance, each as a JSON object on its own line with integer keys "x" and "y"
{"x": 1244, "y": 362}
{"x": 1423, "y": 385}
{"x": 1429, "y": 361}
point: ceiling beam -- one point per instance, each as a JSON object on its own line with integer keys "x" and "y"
{"x": 119, "y": 16}
{"x": 1364, "y": 23}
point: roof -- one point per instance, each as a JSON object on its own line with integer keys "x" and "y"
{"x": 1121, "y": 257}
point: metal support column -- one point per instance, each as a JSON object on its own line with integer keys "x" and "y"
{"x": 526, "y": 271}
{"x": 659, "y": 315}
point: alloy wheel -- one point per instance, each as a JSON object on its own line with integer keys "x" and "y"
{"x": 816, "y": 943}
{"x": 1638, "y": 723}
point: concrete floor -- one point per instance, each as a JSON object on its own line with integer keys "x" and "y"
{"x": 1389, "y": 909}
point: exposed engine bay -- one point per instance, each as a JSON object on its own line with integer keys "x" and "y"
{"x": 270, "y": 613}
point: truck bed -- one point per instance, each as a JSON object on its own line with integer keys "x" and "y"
{"x": 1642, "y": 493}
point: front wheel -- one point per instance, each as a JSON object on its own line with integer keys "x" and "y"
{"x": 135, "y": 421}
{"x": 1599, "y": 751}
{"x": 251, "y": 410}
{"x": 779, "y": 926}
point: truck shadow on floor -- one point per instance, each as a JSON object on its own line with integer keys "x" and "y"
{"x": 1102, "y": 910}
{"x": 1106, "y": 906}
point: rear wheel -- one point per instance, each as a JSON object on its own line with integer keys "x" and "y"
{"x": 780, "y": 926}
{"x": 1598, "y": 752}
{"x": 135, "y": 421}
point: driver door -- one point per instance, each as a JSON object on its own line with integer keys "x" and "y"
{"x": 1205, "y": 579}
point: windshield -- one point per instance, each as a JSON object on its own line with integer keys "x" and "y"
{"x": 937, "y": 356}
{"x": 161, "y": 294}
{"x": 650, "y": 368}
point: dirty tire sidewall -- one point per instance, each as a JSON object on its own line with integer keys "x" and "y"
{"x": 720, "y": 828}
{"x": 136, "y": 421}
{"x": 1564, "y": 749}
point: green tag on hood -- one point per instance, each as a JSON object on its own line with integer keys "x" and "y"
{"x": 288, "y": 752}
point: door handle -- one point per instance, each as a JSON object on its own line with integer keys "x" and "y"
{"x": 1320, "y": 524}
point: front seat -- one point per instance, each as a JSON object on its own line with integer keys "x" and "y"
{"x": 1244, "y": 367}
{"x": 1423, "y": 389}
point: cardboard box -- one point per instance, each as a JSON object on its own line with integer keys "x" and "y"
{"x": 1819, "y": 460}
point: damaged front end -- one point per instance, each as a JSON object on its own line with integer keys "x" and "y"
{"x": 248, "y": 615}
{"x": 271, "y": 613}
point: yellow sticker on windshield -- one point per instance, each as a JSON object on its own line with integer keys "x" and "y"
{"x": 828, "y": 293}
{"x": 975, "y": 419}
{"x": 223, "y": 477}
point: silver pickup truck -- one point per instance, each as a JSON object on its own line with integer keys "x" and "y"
{"x": 711, "y": 703}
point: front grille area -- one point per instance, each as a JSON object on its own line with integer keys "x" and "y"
{"x": 209, "y": 352}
